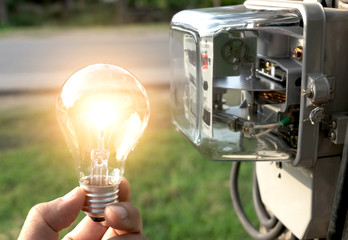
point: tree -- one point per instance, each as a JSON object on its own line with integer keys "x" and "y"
{"x": 121, "y": 11}
{"x": 216, "y": 3}
{"x": 66, "y": 5}
{"x": 3, "y": 12}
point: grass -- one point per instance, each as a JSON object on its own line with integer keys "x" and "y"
{"x": 180, "y": 194}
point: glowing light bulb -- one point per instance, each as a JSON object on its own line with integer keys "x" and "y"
{"x": 103, "y": 111}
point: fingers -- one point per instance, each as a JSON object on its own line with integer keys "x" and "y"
{"x": 90, "y": 230}
{"x": 87, "y": 229}
{"x": 129, "y": 237}
{"x": 112, "y": 235}
{"x": 124, "y": 191}
{"x": 124, "y": 217}
{"x": 45, "y": 220}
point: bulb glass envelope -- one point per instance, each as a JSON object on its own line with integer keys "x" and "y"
{"x": 103, "y": 111}
{"x": 236, "y": 83}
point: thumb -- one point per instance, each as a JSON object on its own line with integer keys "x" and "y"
{"x": 45, "y": 220}
{"x": 124, "y": 217}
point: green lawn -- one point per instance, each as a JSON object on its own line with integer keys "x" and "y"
{"x": 180, "y": 194}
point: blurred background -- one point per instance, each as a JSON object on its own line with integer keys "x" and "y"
{"x": 180, "y": 195}
{"x": 95, "y": 12}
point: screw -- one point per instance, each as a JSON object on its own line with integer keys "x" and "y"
{"x": 246, "y": 130}
{"x": 278, "y": 165}
{"x": 297, "y": 53}
{"x": 332, "y": 136}
{"x": 333, "y": 125}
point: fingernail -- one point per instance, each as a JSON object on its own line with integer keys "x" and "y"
{"x": 70, "y": 194}
{"x": 120, "y": 212}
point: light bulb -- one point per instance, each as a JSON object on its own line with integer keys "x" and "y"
{"x": 102, "y": 110}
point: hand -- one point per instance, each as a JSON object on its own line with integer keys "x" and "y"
{"x": 45, "y": 220}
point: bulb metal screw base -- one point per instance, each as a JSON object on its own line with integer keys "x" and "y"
{"x": 97, "y": 198}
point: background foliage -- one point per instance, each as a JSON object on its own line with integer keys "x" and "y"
{"x": 95, "y": 12}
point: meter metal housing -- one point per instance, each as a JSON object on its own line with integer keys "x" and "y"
{"x": 264, "y": 81}
{"x": 239, "y": 69}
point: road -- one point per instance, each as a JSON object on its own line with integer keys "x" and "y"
{"x": 44, "y": 59}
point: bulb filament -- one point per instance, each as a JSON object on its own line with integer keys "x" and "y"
{"x": 99, "y": 168}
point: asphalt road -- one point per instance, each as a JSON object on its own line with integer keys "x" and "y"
{"x": 44, "y": 59}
